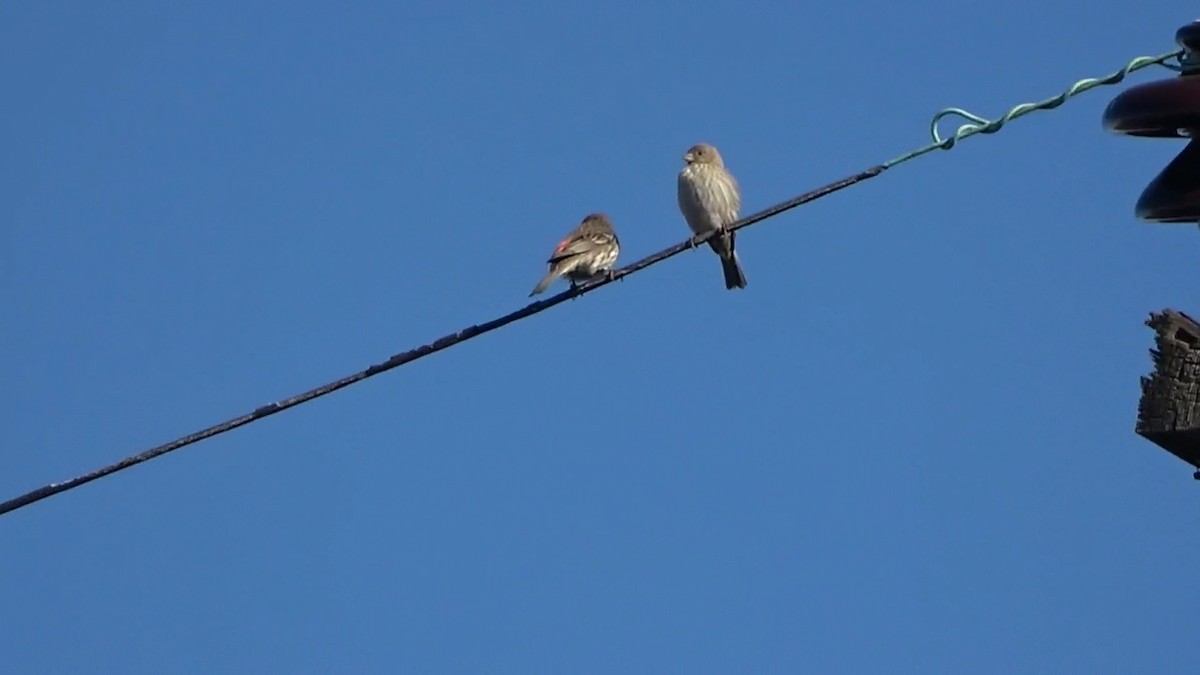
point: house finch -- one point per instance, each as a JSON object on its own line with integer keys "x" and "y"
{"x": 709, "y": 198}
{"x": 586, "y": 251}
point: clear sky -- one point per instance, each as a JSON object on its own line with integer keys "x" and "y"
{"x": 907, "y": 446}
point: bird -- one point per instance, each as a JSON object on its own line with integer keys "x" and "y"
{"x": 588, "y": 250}
{"x": 710, "y": 199}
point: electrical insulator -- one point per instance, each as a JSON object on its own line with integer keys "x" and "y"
{"x": 1167, "y": 109}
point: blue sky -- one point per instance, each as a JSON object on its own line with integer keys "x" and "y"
{"x": 907, "y": 446}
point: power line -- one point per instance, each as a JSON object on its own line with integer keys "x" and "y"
{"x": 978, "y": 125}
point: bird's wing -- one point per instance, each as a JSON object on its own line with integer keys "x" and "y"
{"x": 722, "y": 198}
{"x": 576, "y": 243}
{"x": 731, "y": 195}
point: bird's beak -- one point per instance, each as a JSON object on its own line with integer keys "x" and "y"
{"x": 689, "y": 157}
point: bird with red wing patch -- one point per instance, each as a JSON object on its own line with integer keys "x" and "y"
{"x": 588, "y": 250}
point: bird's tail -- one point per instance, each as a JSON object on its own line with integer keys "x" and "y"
{"x": 545, "y": 282}
{"x": 734, "y": 277}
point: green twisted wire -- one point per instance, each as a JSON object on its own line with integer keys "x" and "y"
{"x": 982, "y": 125}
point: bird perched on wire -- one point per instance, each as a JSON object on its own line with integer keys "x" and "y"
{"x": 710, "y": 199}
{"x": 588, "y": 250}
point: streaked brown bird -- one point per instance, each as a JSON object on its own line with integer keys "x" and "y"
{"x": 588, "y": 250}
{"x": 710, "y": 199}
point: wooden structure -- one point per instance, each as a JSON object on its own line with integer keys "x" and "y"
{"x": 1169, "y": 412}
